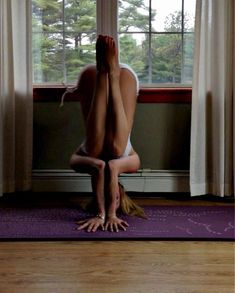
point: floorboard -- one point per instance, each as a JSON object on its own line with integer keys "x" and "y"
{"x": 115, "y": 266}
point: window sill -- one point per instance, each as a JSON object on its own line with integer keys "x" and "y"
{"x": 53, "y": 93}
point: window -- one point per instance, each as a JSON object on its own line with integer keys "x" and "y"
{"x": 155, "y": 37}
{"x": 64, "y": 36}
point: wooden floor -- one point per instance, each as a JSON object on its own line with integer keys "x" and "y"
{"x": 117, "y": 266}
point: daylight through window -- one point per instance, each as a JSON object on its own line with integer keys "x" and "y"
{"x": 64, "y": 35}
{"x": 155, "y": 39}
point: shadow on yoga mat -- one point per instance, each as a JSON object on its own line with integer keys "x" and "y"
{"x": 163, "y": 223}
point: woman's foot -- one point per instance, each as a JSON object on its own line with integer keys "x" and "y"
{"x": 112, "y": 57}
{"x": 100, "y": 54}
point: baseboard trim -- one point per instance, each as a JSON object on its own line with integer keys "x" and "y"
{"x": 142, "y": 181}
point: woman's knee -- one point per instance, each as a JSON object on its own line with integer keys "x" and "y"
{"x": 127, "y": 164}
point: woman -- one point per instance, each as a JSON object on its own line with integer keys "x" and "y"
{"x": 108, "y": 95}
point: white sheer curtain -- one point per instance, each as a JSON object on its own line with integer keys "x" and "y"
{"x": 212, "y": 161}
{"x": 16, "y": 96}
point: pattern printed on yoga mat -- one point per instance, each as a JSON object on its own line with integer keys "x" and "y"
{"x": 164, "y": 222}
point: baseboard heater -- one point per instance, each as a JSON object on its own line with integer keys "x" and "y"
{"x": 144, "y": 180}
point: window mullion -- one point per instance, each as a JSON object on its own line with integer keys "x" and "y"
{"x": 150, "y": 43}
{"x": 107, "y": 18}
{"x": 63, "y": 42}
{"x": 182, "y": 43}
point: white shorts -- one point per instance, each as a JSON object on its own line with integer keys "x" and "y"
{"x": 126, "y": 153}
{"x": 128, "y": 148}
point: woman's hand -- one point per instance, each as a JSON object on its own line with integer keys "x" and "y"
{"x": 91, "y": 225}
{"x": 114, "y": 223}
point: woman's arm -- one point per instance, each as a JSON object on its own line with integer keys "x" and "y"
{"x": 96, "y": 168}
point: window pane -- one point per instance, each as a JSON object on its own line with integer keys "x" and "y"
{"x": 47, "y": 57}
{"x": 64, "y": 36}
{"x": 134, "y": 16}
{"x": 79, "y": 51}
{"x": 187, "y": 70}
{"x": 47, "y": 16}
{"x": 189, "y": 15}
{"x": 166, "y": 15}
{"x": 80, "y": 16}
{"x": 166, "y": 58}
{"x": 134, "y": 52}
{"x": 165, "y": 51}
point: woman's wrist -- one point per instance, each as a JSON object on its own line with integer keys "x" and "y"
{"x": 101, "y": 216}
{"x": 112, "y": 212}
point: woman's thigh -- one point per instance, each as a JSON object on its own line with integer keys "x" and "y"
{"x": 127, "y": 164}
{"x": 85, "y": 164}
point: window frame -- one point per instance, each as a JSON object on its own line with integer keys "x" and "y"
{"x": 174, "y": 95}
{"x": 182, "y": 33}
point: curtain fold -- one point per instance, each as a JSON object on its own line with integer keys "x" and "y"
{"x": 16, "y": 102}
{"x": 212, "y": 154}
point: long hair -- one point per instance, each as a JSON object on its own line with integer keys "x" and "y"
{"x": 128, "y": 206}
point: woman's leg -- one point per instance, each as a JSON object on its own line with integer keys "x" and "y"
{"x": 96, "y": 119}
{"x": 95, "y": 124}
{"x": 122, "y": 102}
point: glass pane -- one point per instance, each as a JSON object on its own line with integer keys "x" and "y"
{"x": 133, "y": 16}
{"x": 78, "y": 53}
{"x": 187, "y": 70}
{"x": 47, "y": 57}
{"x": 189, "y": 15}
{"x": 134, "y": 52}
{"x": 80, "y": 16}
{"x": 63, "y": 38}
{"x": 166, "y": 15}
{"x": 47, "y": 16}
{"x": 166, "y": 58}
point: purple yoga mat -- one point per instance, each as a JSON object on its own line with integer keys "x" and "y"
{"x": 164, "y": 222}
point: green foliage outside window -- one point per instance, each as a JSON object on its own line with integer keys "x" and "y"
{"x": 63, "y": 39}
{"x": 64, "y": 36}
